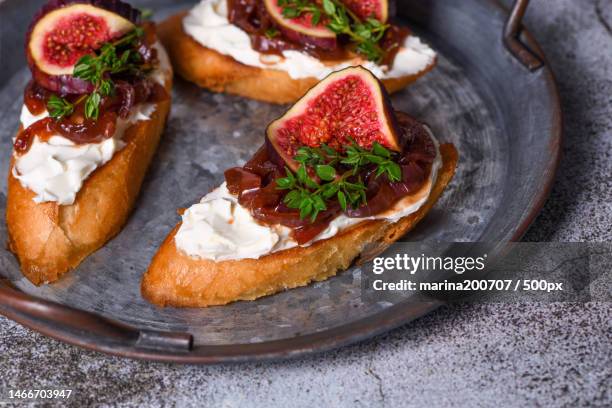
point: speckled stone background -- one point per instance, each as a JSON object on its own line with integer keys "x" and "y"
{"x": 476, "y": 355}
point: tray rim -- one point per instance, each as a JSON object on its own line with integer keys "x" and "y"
{"x": 124, "y": 344}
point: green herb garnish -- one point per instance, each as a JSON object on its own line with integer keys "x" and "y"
{"x": 59, "y": 107}
{"x": 146, "y": 13}
{"x": 311, "y": 197}
{"x": 297, "y": 8}
{"x": 365, "y": 34}
{"x": 112, "y": 58}
{"x": 272, "y": 32}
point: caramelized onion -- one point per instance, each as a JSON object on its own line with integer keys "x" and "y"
{"x": 78, "y": 129}
{"x": 239, "y": 179}
{"x": 307, "y": 233}
{"x": 265, "y": 197}
{"x": 35, "y": 98}
{"x": 88, "y": 130}
{"x": 392, "y": 41}
{"x": 42, "y": 128}
{"x": 255, "y": 186}
{"x": 127, "y": 98}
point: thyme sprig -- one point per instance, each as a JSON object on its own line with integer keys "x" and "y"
{"x": 112, "y": 58}
{"x": 311, "y": 196}
{"x": 365, "y": 34}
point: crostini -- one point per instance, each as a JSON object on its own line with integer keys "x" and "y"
{"x": 275, "y": 50}
{"x": 340, "y": 175}
{"x": 91, "y": 121}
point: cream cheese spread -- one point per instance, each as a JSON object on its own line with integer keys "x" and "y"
{"x": 220, "y": 229}
{"x": 56, "y": 169}
{"x": 208, "y": 24}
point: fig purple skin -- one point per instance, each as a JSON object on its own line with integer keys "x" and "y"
{"x": 65, "y": 83}
{"x": 62, "y": 84}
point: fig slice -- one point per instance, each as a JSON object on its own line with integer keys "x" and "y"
{"x": 301, "y": 29}
{"x": 348, "y": 105}
{"x": 64, "y": 31}
{"x": 379, "y": 9}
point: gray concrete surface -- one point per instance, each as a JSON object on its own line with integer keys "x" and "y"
{"x": 477, "y": 355}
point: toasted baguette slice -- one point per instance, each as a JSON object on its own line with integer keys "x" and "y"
{"x": 50, "y": 239}
{"x": 175, "y": 279}
{"x": 221, "y": 73}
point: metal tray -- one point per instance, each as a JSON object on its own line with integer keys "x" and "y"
{"x": 490, "y": 95}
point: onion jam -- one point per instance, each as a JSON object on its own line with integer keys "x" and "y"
{"x": 255, "y": 185}
{"x": 253, "y": 18}
{"x": 129, "y": 91}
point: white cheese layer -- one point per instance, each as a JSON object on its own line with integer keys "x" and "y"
{"x": 208, "y": 24}
{"x": 220, "y": 229}
{"x": 56, "y": 169}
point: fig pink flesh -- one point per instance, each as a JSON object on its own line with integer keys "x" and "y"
{"x": 369, "y": 8}
{"x": 73, "y": 37}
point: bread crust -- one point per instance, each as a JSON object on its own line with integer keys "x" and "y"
{"x": 50, "y": 239}
{"x": 175, "y": 279}
{"x": 220, "y": 73}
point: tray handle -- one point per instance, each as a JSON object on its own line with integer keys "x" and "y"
{"x": 512, "y": 30}
{"x": 82, "y": 327}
